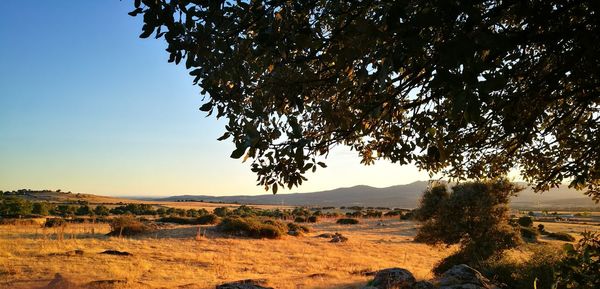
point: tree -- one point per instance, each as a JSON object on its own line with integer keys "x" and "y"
{"x": 469, "y": 89}
{"x": 474, "y": 215}
{"x": 15, "y": 207}
{"x": 84, "y": 210}
{"x": 40, "y": 208}
{"x": 101, "y": 210}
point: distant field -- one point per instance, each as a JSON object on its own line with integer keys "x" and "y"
{"x": 63, "y": 197}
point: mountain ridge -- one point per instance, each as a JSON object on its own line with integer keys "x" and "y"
{"x": 401, "y": 196}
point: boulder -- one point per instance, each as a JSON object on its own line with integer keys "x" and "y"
{"x": 463, "y": 277}
{"x": 244, "y": 284}
{"x": 116, "y": 253}
{"x": 60, "y": 282}
{"x": 393, "y": 278}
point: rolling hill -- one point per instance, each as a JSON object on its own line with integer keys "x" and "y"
{"x": 402, "y": 196}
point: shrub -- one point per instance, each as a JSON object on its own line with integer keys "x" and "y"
{"x": 347, "y": 221}
{"x": 209, "y": 219}
{"x": 538, "y": 269}
{"x": 178, "y": 220}
{"x": 529, "y": 234}
{"x": 297, "y": 228}
{"x": 251, "y": 227}
{"x": 55, "y": 222}
{"x": 541, "y": 228}
{"x": 222, "y": 211}
{"x": 312, "y": 219}
{"x": 127, "y": 226}
{"x": 525, "y": 221}
{"x": 579, "y": 269}
{"x": 562, "y": 236}
{"x": 300, "y": 219}
{"x": 41, "y": 208}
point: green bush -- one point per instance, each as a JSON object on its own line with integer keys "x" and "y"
{"x": 209, "y": 219}
{"x": 300, "y": 219}
{"x": 525, "y": 221}
{"x": 251, "y": 227}
{"x": 127, "y": 226}
{"x": 580, "y": 268}
{"x": 529, "y": 234}
{"x": 297, "y": 228}
{"x": 562, "y": 236}
{"x": 347, "y": 221}
{"x": 538, "y": 269}
{"x": 54, "y": 222}
{"x": 178, "y": 220}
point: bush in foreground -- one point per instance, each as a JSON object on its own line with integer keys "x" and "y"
{"x": 251, "y": 227}
{"x": 529, "y": 234}
{"x": 127, "y": 226}
{"x": 538, "y": 270}
{"x": 347, "y": 221}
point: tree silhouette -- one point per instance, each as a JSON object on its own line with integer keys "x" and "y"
{"x": 464, "y": 88}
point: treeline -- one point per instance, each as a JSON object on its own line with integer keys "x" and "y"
{"x": 14, "y": 207}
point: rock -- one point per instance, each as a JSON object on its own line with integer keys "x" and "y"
{"x": 319, "y": 275}
{"x": 60, "y": 282}
{"x": 381, "y": 224}
{"x": 116, "y": 253}
{"x": 325, "y": 235}
{"x": 393, "y": 278}
{"x": 463, "y": 277}
{"x": 245, "y": 284}
{"x": 337, "y": 238}
{"x": 105, "y": 284}
{"x": 294, "y": 233}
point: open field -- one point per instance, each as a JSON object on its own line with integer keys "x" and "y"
{"x": 175, "y": 256}
{"x": 172, "y": 256}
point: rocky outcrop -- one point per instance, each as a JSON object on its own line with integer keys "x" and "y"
{"x": 338, "y": 238}
{"x": 393, "y": 278}
{"x": 458, "y": 277}
{"x": 463, "y": 277}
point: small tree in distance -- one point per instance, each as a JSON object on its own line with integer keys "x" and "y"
{"x": 474, "y": 216}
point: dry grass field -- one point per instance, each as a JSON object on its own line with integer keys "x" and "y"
{"x": 173, "y": 256}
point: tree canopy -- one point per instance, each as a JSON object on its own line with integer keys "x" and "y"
{"x": 468, "y": 89}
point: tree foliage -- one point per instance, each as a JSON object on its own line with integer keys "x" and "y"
{"x": 474, "y": 216}
{"x": 581, "y": 267}
{"x": 465, "y": 88}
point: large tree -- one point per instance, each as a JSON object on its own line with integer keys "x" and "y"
{"x": 463, "y": 88}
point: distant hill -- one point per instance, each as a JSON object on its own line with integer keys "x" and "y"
{"x": 404, "y": 196}
{"x": 401, "y": 196}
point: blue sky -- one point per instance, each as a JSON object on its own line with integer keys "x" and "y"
{"x": 87, "y": 106}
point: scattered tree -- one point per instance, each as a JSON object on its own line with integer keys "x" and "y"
{"x": 473, "y": 215}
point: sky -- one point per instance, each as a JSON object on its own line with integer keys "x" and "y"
{"x": 87, "y": 106}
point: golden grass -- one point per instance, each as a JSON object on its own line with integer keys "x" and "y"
{"x": 171, "y": 257}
